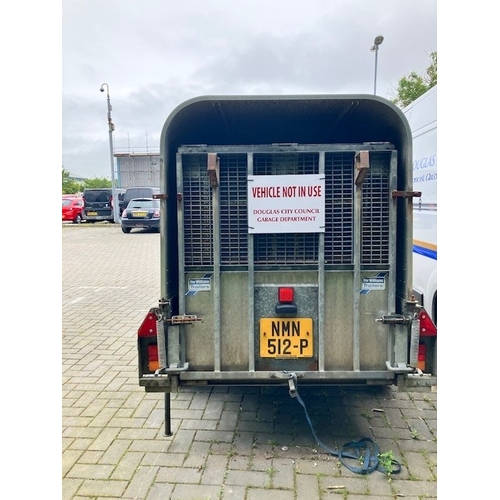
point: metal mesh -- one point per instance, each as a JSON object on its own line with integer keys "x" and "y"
{"x": 339, "y": 192}
{"x": 285, "y": 248}
{"x": 375, "y": 212}
{"x": 197, "y": 197}
{"x": 233, "y": 209}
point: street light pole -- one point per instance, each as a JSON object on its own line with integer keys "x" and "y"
{"x": 378, "y": 40}
{"x": 111, "y": 127}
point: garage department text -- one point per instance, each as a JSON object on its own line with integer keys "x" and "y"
{"x": 287, "y": 214}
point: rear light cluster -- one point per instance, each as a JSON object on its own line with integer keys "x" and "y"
{"x": 427, "y": 329}
{"x": 153, "y": 358}
{"x": 147, "y": 338}
{"x": 422, "y": 352}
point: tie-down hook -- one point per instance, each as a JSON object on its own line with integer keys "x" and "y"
{"x": 292, "y": 384}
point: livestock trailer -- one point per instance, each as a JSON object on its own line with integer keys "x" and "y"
{"x": 286, "y": 244}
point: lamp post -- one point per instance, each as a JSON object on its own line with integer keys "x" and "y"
{"x": 378, "y": 40}
{"x": 111, "y": 127}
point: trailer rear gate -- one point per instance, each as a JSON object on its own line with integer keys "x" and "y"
{"x": 348, "y": 281}
{"x": 243, "y": 271}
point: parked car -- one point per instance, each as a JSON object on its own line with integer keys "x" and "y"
{"x": 141, "y": 213}
{"x": 136, "y": 192}
{"x": 98, "y": 205}
{"x": 72, "y": 208}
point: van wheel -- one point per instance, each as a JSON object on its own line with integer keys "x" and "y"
{"x": 126, "y": 229}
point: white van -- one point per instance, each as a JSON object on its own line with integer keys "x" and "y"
{"x": 422, "y": 116}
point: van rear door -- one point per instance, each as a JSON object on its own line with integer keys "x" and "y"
{"x": 98, "y": 205}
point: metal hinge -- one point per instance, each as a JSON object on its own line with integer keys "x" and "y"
{"x": 393, "y": 319}
{"x": 406, "y": 194}
{"x": 183, "y": 319}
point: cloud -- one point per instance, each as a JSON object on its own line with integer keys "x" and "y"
{"x": 154, "y": 55}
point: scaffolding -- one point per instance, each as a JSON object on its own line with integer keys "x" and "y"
{"x": 137, "y": 169}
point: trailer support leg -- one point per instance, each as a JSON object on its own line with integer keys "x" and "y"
{"x": 168, "y": 427}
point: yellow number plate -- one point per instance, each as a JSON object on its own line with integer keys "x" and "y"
{"x": 286, "y": 337}
{"x": 139, "y": 214}
{"x": 91, "y": 213}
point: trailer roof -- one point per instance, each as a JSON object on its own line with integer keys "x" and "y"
{"x": 302, "y": 119}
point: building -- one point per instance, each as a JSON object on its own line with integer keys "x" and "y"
{"x": 137, "y": 169}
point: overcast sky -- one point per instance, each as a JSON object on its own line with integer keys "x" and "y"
{"x": 155, "y": 54}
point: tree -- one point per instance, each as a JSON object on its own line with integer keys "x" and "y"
{"x": 412, "y": 86}
{"x": 97, "y": 182}
{"x": 69, "y": 186}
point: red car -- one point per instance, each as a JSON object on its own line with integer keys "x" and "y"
{"x": 72, "y": 209}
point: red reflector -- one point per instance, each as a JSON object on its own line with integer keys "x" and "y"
{"x": 427, "y": 326}
{"x": 285, "y": 294}
{"x": 148, "y": 326}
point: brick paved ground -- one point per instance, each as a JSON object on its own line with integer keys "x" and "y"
{"x": 227, "y": 443}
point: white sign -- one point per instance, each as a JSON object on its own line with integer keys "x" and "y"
{"x": 373, "y": 284}
{"x": 199, "y": 285}
{"x": 286, "y": 203}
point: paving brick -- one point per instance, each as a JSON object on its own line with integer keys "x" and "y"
{"x": 138, "y": 487}
{"x": 127, "y": 465}
{"x": 284, "y": 473}
{"x": 197, "y": 455}
{"x": 97, "y": 488}
{"x": 115, "y": 451}
{"x": 231, "y": 492}
{"x": 214, "y": 470}
{"x": 213, "y": 435}
{"x": 247, "y": 478}
{"x": 69, "y": 458}
{"x": 195, "y": 491}
{"x": 70, "y": 487}
{"x": 104, "y": 439}
{"x": 418, "y": 466}
{"x": 90, "y": 457}
{"x": 379, "y": 485}
{"x": 162, "y": 459}
{"x": 160, "y": 491}
{"x": 179, "y": 475}
{"x": 357, "y": 484}
{"x": 229, "y": 443}
{"x": 90, "y": 470}
{"x": 425, "y": 489}
{"x": 239, "y": 462}
{"x": 274, "y": 494}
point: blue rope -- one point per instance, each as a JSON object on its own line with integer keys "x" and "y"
{"x": 364, "y": 451}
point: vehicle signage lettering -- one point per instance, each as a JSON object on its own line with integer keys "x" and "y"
{"x": 199, "y": 285}
{"x": 375, "y": 283}
{"x": 286, "y": 203}
{"x": 286, "y": 337}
